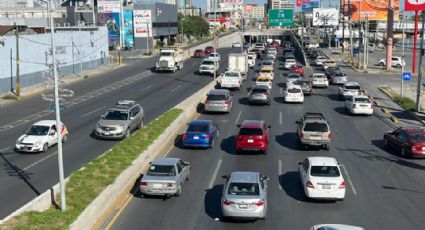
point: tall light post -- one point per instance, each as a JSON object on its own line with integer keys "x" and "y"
{"x": 215, "y": 37}
{"x": 402, "y": 56}
{"x": 57, "y": 111}
{"x": 183, "y": 19}
{"x": 242, "y": 37}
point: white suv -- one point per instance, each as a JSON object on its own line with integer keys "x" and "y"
{"x": 395, "y": 61}
{"x": 320, "y": 80}
{"x": 207, "y": 66}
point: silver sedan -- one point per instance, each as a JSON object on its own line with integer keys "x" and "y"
{"x": 244, "y": 196}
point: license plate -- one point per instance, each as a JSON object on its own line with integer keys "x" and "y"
{"x": 315, "y": 137}
{"x": 157, "y": 185}
{"x": 363, "y": 106}
{"x": 243, "y": 206}
{"x": 250, "y": 141}
{"x": 196, "y": 137}
{"x": 107, "y": 133}
{"x": 326, "y": 186}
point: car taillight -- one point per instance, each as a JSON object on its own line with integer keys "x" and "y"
{"x": 226, "y": 102}
{"x": 416, "y": 148}
{"x": 353, "y": 106}
{"x": 143, "y": 183}
{"x": 184, "y": 136}
{"x": 259, "y": 203}
{"x": 309, "y": 184}
{"x": 170, "y": 184}
{"x": 302, "y": 135}
{"x": 372, "y": 106}
{"x": 286, "y": 94}
{"x": 207, "y": 136}
{"x": 330, "y": 136}
{"x": 342, "y": 185}
{"x": 227, "y": 202}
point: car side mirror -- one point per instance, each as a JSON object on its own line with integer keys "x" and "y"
{"x": 339, "y": 164}
{"x": 269, "y": 126}
{"x": 238, "y": 125}
{"x": 131, "y": 118}
{"x": 299, "y": 163}
{"x": 297, "y": 122}
{"x": 150, "y": 162}
{"x": 265, "y": 178}
{"x": 103, "y": 116}
{"x": 52, "y": 133}
{"x": 225, "y": 177}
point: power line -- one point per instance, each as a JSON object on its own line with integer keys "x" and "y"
{"x": 46, "y": 44}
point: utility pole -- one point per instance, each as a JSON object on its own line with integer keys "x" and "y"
{"x": 242, "y": 37}
{"x": 342, "y": 9}
{"x": 147, "y": 38}
{"x": 93, "y": 11}
{"x": 11, "y": 71}
{"x": 302, "y": 30}
{"x": 402, "y": 57}
{"x": 390, "y": 25}
{"x": 365, "y": 43}
{"x": 418, "y": 94}
{"x": 350, "y": 30}
{"x": 215, "y": 37}
{"x": 169, "y": 33}
{"x": 121, "y": 25}
{"x": 360, "y": 36}
{"x": 18, "y": 80}
{"x": 57, "y": 111}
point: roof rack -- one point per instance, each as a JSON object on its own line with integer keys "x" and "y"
{"x": 311, "y": 116}
{"x": 126, "y": 102}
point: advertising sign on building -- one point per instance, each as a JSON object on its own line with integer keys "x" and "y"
{"x": 230, "y": 5}
{"x": 142, "y": 23}
{"x": 308, "y": 6}
{"x": 112, "y": 22}
{"x": 108, "y": 6}
{"x": 128, "y": 29}
{"x": 413, "y": 5}
{"x": 372, "y": 9}
{"x": 281, "y": 17}
{"x": 325, "y": 17}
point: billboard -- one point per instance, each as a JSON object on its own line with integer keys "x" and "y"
{"x": 371, "y": 9}
{"x": 231, "y": 5}
{"x": 108, "y": 6}
{"x": 325, "y": 17}
{"x": 112, "y": 22}
{"x": 413, "y": 5}
{"x": 142, "y": 23}
{"x": 307, "y": 7}
{"x": 128, "y": 28}
{"x": 281, "y": 17}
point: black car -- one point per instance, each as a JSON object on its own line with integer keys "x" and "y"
{"x": 333, "y": 70}
{"x": 306, "y": 86}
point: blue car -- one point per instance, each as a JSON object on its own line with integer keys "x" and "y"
{"x": 200, "y": 133}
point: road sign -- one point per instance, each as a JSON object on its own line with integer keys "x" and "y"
{"x": 407, "y": 76}
{"x": 281, "y": 17}
{"x": 356, "y": 50}
{"x": 53, "y": 107}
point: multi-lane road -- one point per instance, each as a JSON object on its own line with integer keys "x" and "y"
{"x": 23, "y": 176}
{"x": 384, "y": 191}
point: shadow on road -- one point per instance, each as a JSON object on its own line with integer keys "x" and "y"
{"x": 288, "y": 140}
{"x": 291, "y": 184}
{"x": 212, "y": 201}
{"x": 228, "y": 145}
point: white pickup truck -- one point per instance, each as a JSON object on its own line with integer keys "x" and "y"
{"x": 231, "y": 80}
{"x": 169, "y": 60}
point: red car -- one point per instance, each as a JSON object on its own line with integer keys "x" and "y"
{"x": 253, "y": 135}
{"x": 209, "y": 49}
{"x": 409, "y": 141}
{"x": 299, "y": 69}
{"x": 199, "y": 53}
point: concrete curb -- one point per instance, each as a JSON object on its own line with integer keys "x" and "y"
{"x": 115, "y": 194}
{"x": 394, "y": 119}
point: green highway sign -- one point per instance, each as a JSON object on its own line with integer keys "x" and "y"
{"x": 281, "y": 17}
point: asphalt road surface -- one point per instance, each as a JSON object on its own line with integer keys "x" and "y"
{"x": 23, "y": 176}
{"x": 383, "y": 190}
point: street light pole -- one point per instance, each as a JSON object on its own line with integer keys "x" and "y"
{"x": 242, "y": 37}
{"x": 402, "y": 57}
{"x": 214, "y": 40}
{"x": 57, "y": 111}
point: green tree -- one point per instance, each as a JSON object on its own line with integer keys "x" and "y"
{"x": 193, "y": 25}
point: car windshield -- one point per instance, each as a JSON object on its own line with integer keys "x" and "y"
{"x": 315, "y": 127}
{"x": 324, "y": 171}
{"x": 250, "y": 131}
{"x": 266, "y": 71}
{"x": 244, "y": 189}
{"x": 207, "y": 63}
{"x": 166, "y": 54}
{"x": 267, "y": 62}
{"x": 38, "y": 130}
{"x": 417, "y": 136}
{"x": 212, "y": 97}
{"x": 263, "y": 80}
{"x": 361, "y": 100}
{"x": 161, "y": 170}
{"x": 259, "y": 90}
{"x": 294, "y": 90}
{"x": 231, "y": 74}
{"x": 356, "y": 87}
{"x": 115, "y": 115}
{"x": 197, "y": 128}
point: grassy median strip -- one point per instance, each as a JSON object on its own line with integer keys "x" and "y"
{"x": 85, "y": 185}
{"x": 405, "y": 102}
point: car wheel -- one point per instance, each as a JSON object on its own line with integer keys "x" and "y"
{"x": 381, "y": 64}
{"x": 403, "y": 152}
{"x": 127, "y": 133}
{"x": 179, "y": 191}
{"x": 142, "y": 124}
{"x": 386, "y": 144}
{"x": 188, "y": 176}
{"x": 45, "y": 147}
{"x": 65, "y": 138}
{"x": 398, "y": 66}
{"x": 326, "y": 147}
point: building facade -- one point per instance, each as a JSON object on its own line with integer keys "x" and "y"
{"x": 280, "y": 4}
{"x": 258, "y": 12}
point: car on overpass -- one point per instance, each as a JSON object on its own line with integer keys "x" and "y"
{"x": 321, "y": 178}
{"x": 244, "y": 196}
{"x": 165, "y": 177}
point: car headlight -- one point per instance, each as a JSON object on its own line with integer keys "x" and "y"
{"x": 97, "y": 126}
{"x": 121, "y": 127}
{"x": 18, "y": 141}
{"x": 38, "y": 142}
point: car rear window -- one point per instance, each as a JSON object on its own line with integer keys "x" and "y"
{"x": 244, "y": 189}
{"x": 212, "y": 97}
{"x": 198, "y": 50}
{"x": 250, "y": 131}
{"x": 352, "y": 87}
{"x": 315, "y": 127}
{"x": 259, "y": 90}
{"x": 294, "y": 90}
{"x": 161, "y": 170}
{"x": 293, "y": 76}
{"x": 266, "y": 71}
{"x": 197, "y": 128}
{"x": 263, "y": 80}
{"x": 324, "y": 171}
{"x": 231, "y": 74}
{"x": 361, "y": 100}
{"x": 267, "y": 62}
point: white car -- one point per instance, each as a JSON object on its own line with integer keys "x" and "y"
{"x": 253, "y": 55}
{"x": 289, "y": 63}
{"x": 292, "y": 78}
{"x": 294, "y": 93}
{"x": 236, "y": 45}
{"x": 231, "y": 79}
{"x": 321, "y": 178}
{"x": 395, "y": 61}
{"x": 40, "y": 136}
{"x": 215, "y": 56}
{"x": 319, "y": 60}
{"x": 251, "y": 61}
{"x": 260, "y": 46}
{"x": 313, "y": 45}
{"x": 207, "y": 66}
{"x": 349, "y": 89}
{"x": 359, "y": 105}
{"x": 320, "y": 80}
{"x": 335, "y": 227}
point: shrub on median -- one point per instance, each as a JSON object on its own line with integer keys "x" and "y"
{"x": 86, "y": 184}
{"x": 405, "y": 102}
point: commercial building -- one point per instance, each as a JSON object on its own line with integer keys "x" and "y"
{"x": 258, "y": 12}
{"x": 280, "y": 4}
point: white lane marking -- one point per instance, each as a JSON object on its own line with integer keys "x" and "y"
{"x": 2, "y": 150}
{"x": 215, "y": 174}
{"x": 39, "y": 161}
{"x": 178, "y": 87}
{"x": 280, "y": 118}
{"x": 239, "y": 116}
{"x": 147, "y": 87}
{"x": 280, "y": 173}
{"x": 91, "y": 112}
{"x": 349, "y": 180}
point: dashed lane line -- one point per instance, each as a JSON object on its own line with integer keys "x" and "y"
{"x": 280, "y": 118}
{"x": 215, "y": 174}
{"x": 238, "y": 117}
{"x": 280, "y": 173}
{"x": 147, "y": 87}
{"x": 176, "y": 88}
{"x": 39, "y": 161}
{"x": 349, "y": 180}
{"x": 91, "y": 112}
